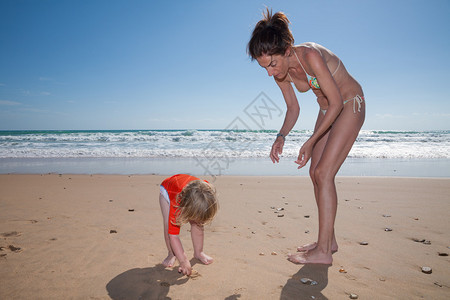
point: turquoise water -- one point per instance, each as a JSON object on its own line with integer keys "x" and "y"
{"x": 217, "y": 152}
{"x": 218, "y": 143}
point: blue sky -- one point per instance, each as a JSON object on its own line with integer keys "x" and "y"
{"x": 183, "y": 64}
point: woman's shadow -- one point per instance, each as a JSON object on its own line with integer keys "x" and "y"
{"x": 145, "y": 283}
{"x": 296, "y": 289}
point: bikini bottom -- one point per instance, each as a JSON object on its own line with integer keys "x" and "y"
{"x": 357, "y": 100}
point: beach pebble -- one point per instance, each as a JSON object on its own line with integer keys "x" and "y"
{"x": 307, "y": 216}
{"x": 427, "y": 270}
{"x": 308, "y": 281}
{"x": 342, "y": 271}
{"x": 306, "y": 231}
{"x": 442, "y": 254}
{"x": 261, "y": 253}
{"x": 388, "y": 229}
{"x": 131, "y": 209}
{"x": 427, "y": 242}
{"x": 353, "y": 296}
{"x": 280, "y": 208}
{"x": 273, "y": 253}
{"x": 113, "y": 231}
{"x": 418, "y": 240}
{"x": 281, "y": 215}
{"x": 364, "y": 243}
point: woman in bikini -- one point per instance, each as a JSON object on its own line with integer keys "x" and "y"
{"x": 341, "y": 115}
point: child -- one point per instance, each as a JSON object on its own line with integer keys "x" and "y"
{"x": 184, "y": 198}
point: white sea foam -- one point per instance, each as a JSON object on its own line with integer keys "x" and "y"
{"x": 208, "y": 144}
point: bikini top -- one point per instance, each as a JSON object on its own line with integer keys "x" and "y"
{"x": 312, "y": 81}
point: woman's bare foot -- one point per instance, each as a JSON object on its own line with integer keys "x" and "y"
{"x": 169, "y": 261}
{"x": 313, "y": 256}
{"x": 204, "y": 258}
{"x": 308, "y": 247}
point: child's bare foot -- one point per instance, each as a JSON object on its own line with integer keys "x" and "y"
{"x": 169, "y": 261}
{"x": 313, "y": 256}
{"x": 308, "y": 247}
{"x": 204, "y": 258}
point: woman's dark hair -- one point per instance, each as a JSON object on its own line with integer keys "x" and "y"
{"x": 270, "y": 36}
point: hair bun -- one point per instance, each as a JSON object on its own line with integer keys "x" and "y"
{"x": 271, "y": 35}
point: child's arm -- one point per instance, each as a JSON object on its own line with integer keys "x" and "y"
{"x": 177, "y": 248}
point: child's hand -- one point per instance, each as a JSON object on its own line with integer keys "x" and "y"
{"x": 185, "y": 268}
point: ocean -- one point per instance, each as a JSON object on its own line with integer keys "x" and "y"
{"x": 214, "y": 152}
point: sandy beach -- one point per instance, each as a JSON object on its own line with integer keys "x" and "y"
{"x": 100, "y": 237}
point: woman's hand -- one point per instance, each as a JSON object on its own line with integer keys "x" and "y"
{"x": 304, "y": 154}
{"x": 277, "y": 148}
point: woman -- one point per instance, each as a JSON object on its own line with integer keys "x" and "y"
{"x": 341, "y": 115}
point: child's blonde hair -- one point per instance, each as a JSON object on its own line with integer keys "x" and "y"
{"x": 197, "y": 203}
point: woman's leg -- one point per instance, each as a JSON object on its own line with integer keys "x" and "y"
{"x": 169, "y": 261}
{"x": 340, "y": 140}
{"x": 315, "y": 158}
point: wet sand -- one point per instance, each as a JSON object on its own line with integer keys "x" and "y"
{"x": 100, "y": 237}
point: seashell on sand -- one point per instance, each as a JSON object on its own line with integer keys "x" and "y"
{"x": 308, "y": 281}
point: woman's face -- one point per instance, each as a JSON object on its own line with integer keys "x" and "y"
{"x": 276, "y": 65}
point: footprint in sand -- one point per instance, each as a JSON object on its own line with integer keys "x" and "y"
{"x": 11, "y": 248}
{"x": 194, "y": 274}
{"x": 11, "y": 234}
{"x": 14, "y": 248}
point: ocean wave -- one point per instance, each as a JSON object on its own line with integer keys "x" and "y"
{"x": 209, "y": 143}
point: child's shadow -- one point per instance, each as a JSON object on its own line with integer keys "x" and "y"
{"x": 146, "y": 283}
{"x": 295, "y": 289}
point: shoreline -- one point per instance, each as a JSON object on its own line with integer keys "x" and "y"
{"x": 100, "y": 236}
{"x": 365, "y": 167}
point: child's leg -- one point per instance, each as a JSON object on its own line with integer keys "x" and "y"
{"x": 170, "y": 259}
{"x": 197, "y": 235}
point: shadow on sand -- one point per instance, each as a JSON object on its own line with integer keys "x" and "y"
{"x": 145, "y": 283}
{"x": 295, "y": 289}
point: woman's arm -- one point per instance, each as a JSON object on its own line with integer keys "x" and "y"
{"x": 292, "y": 113}
{"x": 335, "y": 103}
{"x": 177, "y": 248}
{"x": 293, "y": 108}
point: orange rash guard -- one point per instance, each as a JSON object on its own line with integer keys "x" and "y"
{"x": 174, "y": 185}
